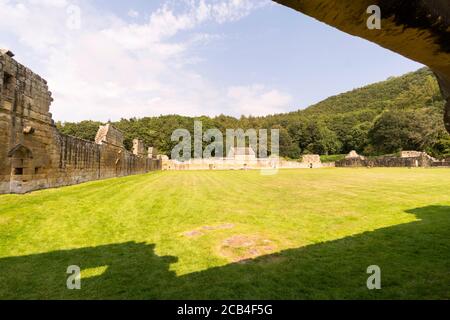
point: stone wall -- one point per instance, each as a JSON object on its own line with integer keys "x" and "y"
{"x": 410, "y": 154}
{"x": 387, "y": 161}
{"x": 107, "y": 134}
{"x": 237, "y": 163}
{"x": 311, "y": 159}
{"x": 353, "y": 155}
{"x": 34, "y": 155}
{"x": 444, "y": 164}
{"x": 139, "y": 148}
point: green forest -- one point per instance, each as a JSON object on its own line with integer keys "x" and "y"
{"x": 401, "y": 113}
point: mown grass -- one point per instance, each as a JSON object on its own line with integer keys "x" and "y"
{"x": 332, "y": 158}
{"x": 308, "y": 234}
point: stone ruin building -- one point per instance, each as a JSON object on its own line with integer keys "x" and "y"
{"x": 312, "y": 160}
{"x": 354, "y": 155}
{"x": 245, "y": 158}
{"x": 34, "y": 155}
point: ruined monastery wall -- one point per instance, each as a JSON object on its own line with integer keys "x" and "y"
{"x": 390, "y": 162}
{"x": 34, "y": 155}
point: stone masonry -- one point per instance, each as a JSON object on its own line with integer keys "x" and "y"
{"x": 34, "y": 155}
{"x": 407, "y": 159}
{"x": 139, "y": 148}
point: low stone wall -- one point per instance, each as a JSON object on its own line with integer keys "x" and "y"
{"x": 311, "y": 159}
{"x": 329, "y": 165}
{"x": 410, "y": 154}
{"x": 442, "y": 164}
{"x": 421, "y": 161}
{"x": 236, "y": 164}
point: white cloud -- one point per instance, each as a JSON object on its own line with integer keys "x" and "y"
{"x": 256, "y": 100}
{"x": 133, "y": 13}
{"x": 111, "y": 68}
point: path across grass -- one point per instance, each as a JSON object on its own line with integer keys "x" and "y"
{"x": 301, "y": 234}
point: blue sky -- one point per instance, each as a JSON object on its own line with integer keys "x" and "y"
{"x": 192, "y": 57}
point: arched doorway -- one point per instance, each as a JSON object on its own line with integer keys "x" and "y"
{"x": 21, "y": 167}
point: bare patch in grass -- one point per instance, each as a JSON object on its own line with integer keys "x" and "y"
{"x": 243, "y": 248}
{"x": 193, "y": 233}
{"x": 219, "y": 227}
{"x": 202, "y": 230}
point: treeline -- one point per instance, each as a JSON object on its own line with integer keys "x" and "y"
{"x": 401, "y": 113}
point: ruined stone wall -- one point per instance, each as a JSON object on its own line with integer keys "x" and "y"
{"x": 139, "y": 148}
{"x": 311, "y": 159}
{"x": 422, "y": 161}
{"x": 237, "y": 164}
{"x": 443, "y": 164}
{"x": 34, "y": 155}
{"x": 410, "y": 154}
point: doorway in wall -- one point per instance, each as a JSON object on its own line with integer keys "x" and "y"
{"x": 21, "y": 167}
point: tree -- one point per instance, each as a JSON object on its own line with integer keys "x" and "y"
{"x": 321, "y": 140}
{"x": 397, "y": 130}
{"x": 358, "y": 137}
{"x": 86, "y": 130}
{"x": 287, "y": 146}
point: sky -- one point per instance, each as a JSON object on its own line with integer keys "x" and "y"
{"x": 112, "y": 59}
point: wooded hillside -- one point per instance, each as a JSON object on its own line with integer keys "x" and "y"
{"x": 401, "y": 113}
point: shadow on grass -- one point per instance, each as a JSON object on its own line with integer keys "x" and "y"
{"x": 414, "y": 260}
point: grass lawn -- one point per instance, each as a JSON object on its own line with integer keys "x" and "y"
{"x": 301, "y": 234}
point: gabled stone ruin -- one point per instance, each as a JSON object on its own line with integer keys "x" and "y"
{"x": 354, "y": 155}
{"x": 109, "y": 135}
{"x": 139, "y": 148}
{"x": 34, "y": 155}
